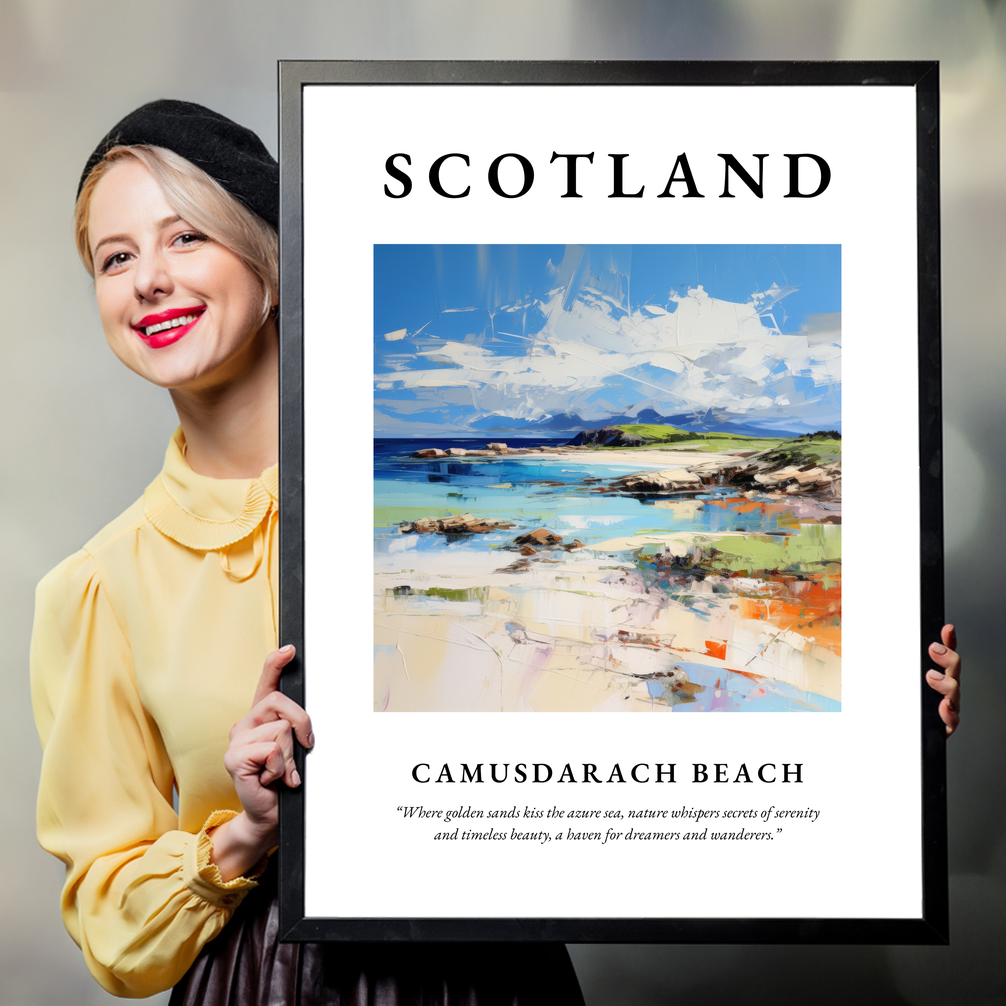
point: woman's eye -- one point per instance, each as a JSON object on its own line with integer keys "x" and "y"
{"x": 190, "y": 238}
{"x": 114, "y": 261}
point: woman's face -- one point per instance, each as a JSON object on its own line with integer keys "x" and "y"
{"x": 177, "y": 308}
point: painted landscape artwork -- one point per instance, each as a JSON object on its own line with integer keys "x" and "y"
{"x": 607, "y": 478}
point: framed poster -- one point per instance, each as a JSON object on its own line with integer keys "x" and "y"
{"x": 651, "y": 353}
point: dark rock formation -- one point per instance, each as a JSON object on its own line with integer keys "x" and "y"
{"x": 786, "y": 471}
{"x": 540, "y": 537}
{"x": 460, "y": 524}
{"x": 610, "y": 436}
{"x": 777, "y": 470}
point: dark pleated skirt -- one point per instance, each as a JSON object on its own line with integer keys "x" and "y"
{"x": 246, "y": 965}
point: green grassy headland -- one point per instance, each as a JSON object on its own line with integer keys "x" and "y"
{"x": 819, "y": 448}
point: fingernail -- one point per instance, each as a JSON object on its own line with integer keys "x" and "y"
{"x": 938, "y": 648}
{"x": 287, "y": 649}
{"x": 295, "y": 777}
{"x": 936, "y": 675}
{"x": 310, "y": 740}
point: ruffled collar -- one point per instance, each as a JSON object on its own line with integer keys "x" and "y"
{"x": 203, "y": 513}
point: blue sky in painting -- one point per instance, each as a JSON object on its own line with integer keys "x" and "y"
{"x": 543, "y": 339}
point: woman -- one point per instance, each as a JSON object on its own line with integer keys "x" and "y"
{"x": 149, "y": 642}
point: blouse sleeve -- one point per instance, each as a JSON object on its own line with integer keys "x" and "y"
{"x": 141, "y": 898}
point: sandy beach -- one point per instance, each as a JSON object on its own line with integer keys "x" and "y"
{"x": 700, "y": 601}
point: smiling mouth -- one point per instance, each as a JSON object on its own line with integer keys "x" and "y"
{"x": 165, "y": 324}
{"x": 167, "y": 327}
{"x": 185, "y": 319}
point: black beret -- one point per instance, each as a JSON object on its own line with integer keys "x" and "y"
{"x": 231, "y": 154}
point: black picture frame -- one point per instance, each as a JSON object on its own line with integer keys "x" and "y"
{"x": 932, "y": 925}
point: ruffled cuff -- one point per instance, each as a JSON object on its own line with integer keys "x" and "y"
{"x": 203, "y": 878}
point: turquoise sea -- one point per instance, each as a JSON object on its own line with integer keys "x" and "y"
{"x": 527, "y": 490}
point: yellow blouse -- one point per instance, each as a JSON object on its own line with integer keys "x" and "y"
{"x": 147, "y": 647}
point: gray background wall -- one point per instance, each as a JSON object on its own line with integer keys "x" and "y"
{"x": 81, "y": 436}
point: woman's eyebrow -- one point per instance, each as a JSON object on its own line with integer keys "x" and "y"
{"x": 109, "y": 240}
{"x": 160, "y": 225}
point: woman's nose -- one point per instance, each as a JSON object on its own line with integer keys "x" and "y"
{"x": 152, "y": 277}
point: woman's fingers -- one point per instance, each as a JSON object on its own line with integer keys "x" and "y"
{"x": 949, "y": 636}
{"x": 278, "y": 735}
{"x": 261, "y": 749}
{"x": 949, "y": 688}
{"x": 270, "y": 703}
{"x": 949, "y": 711}
{"x": 947, "y": 680}
{"x": 274, "y": 766}
{"x": 277, "y": 706}
{"x": 950, "y": 716}
{"x": 260, "y": 761}
{"x": 271, "y": 671}
{"x": 949, "y": 660}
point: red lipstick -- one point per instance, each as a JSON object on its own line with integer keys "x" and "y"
{"x": 166, "y": 327}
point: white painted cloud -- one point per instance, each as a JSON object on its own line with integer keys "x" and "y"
{"x": 596, "y": 360}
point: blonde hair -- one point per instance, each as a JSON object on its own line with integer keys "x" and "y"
{"x": 199, "y": 200}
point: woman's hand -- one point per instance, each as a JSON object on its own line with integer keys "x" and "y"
{"x": 260, "y": 753}
{"x": 947, "y": 682}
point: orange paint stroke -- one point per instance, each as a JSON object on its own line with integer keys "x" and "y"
{"x": 804, "y": 606}
{"x": 716, "y": 648}
{"x": 740, "y": 504}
